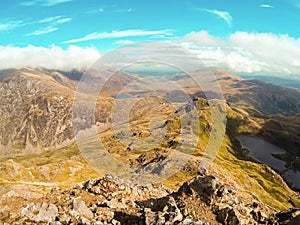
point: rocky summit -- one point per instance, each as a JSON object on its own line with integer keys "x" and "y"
{"x": 110, "y": 200}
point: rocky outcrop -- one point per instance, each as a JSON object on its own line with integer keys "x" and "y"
{"x": 109, "y": 200}
{"x": 36, "y": 111}
{"x": 224, "y": 203}
{"x": 39, "y": 212}
{"x": 289, "y": 217}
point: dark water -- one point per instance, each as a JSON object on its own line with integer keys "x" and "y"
{"x": 262, "y": 151}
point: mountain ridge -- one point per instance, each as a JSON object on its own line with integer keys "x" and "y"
{"x": 32, "y": 99}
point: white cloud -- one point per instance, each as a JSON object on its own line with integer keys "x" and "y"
{"x": 234, "y": 59}
{"x": 10, "y": 25}
{"x": 221, "y": 14}
{"x": 53, "y": 57}
{"x": 44, "y": 2}
{"x": 118, "y": 34}
{"x": 53, "y": 22}
{"x": 166, "y": 36}
{"x": 49, "y": 19}
{"x": 124, "y": 42}
{"x": 266, "y": 6}
{"x": 203, "y": 38}
{"x": 244, "y": 52}
{"x": 280, "y": 52}
{"x": 42, "y": 31}
{"x": 63, "y": 20}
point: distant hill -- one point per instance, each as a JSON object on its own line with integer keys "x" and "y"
{"x": 287, "y": 82}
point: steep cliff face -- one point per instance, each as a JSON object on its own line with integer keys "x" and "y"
{"x": 37, "y": 107}
{"x": 35, "y": 111}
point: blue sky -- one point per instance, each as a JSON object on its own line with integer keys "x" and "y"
{"x": 107, "y": 24}
{"x": 29, "y": 21}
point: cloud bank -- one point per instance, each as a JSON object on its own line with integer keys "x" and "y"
{"x": 53, "y": 57}
{"x": 243, "y": 52}
{"x": 240, "y": 52}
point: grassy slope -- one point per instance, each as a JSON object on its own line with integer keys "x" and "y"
{"x": 251, "y": 180}
{"x": 63, "y": 167}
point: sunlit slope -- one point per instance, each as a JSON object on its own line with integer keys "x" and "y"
{"x": 28, "y": 161}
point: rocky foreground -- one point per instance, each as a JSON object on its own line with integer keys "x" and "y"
{"x": 109, "y": 200}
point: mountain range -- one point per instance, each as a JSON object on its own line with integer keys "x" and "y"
{"x": 43, "y": 113}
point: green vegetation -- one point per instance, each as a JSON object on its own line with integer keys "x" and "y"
{"x": 249, "y": 112}
{"x": 63, "y": 167}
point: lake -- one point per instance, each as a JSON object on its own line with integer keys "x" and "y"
{"x": 262, "y": 151}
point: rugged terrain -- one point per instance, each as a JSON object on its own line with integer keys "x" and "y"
{"x": 41, "y": 165}
{"x": 109, "y": 200}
